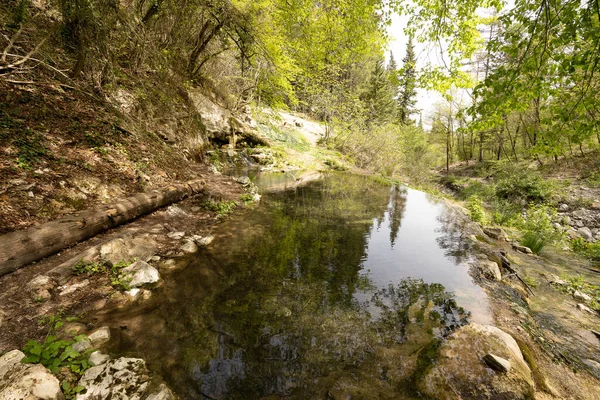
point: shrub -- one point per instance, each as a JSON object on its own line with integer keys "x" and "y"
{"x": 504, "y": 212}
{"x": 537, "y": 227}
{"x": 524, "y": 185}
{"x": 476, "y": 210}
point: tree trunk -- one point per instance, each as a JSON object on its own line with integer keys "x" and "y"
{"x": 22, "y": 247}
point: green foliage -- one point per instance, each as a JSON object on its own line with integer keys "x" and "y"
{"x": 247, "y": 198}
{"x": 20, "y": 13}
{"x": 56, "y": 353}
{"x": 537, "y": 227}
{"x": 476, "y": 210}
{"x": 117, "y": 278}
{"x": 589, "y": 250}
{"x": 524, "y": 186}
{"x": 407, "y": 96}
{"x": 31, "y": 148}
{"x": 578, "y": 283}
{"x": 504, "y": 212}
{"x": 222, "y": 208}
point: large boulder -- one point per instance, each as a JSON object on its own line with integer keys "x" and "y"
{"x": 119, "y": 379}
{"x": 463, "y": 369}
{"x": 128, "y": 249}
{"x": 26, "y": 381}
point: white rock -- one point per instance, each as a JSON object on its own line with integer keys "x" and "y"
{"x": 164, "y": 393}
{"x": 122, "y": 378}
{"x": 189, "y": 247}
{"x": 140, "y": 273}
{"x": 586, "y": 233}
{"x": 98, "y": 358}
{"x": 9, "y": 360}
{"x": 133, "y": 292}
{"x": 26, "y": 381}
{"x": 203, "y": 240}
{"x": 490, "y": 269}
{"x": 563, "y": 207}
{"x": 72, "y": 288}
{"x": 100, "y": 336}
{"x": 82, "y": 345}
{"x": 581, "y": 296}
{"x": 584, "y": 308}
{"x": 176, "y": 235}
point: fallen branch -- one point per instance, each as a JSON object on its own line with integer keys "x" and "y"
{"x": 20, "y": 248}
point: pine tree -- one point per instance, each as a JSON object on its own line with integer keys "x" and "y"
{"x": 379, "y": 96}
{"x": 408, "y": 85}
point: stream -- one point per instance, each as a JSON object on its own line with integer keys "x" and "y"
{"x": 341, "y": 286}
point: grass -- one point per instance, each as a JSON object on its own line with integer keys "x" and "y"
{"x": 117, "y": 278}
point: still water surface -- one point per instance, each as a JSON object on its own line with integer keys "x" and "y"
{"x": 337, "y": 287}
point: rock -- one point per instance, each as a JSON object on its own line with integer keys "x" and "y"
{"x": 563, "y": 207}
{"x": 594, "y": 366}
{"x": 489, "y": 269}
{"x": 98, "y": 358}
{"x": 2, "y": 317}
{"x": 555, "y": 280}
{"x": 558, "y": 227}
{"x": 40, "y": 287}
{"x": 26, "y": 381}
{"x": 567, "y": 220}
{"x": 584, "y": 308}
{"x": 496, "y": 233}
{"x": 195, "y": 209}
{"x": 244, "y": 180}
{"x": 70, "y": 329}
{"x": 597, "y": 334}
{"x": 497, "y": 363}
{"x": 203, "y": 240}
{"x": 586, "y": 233}
{"x": 122, "y": 378}
{"x": 9, "y": 360}
{"x": 140, "y": 273}
{"x": 189, "y": 247}
{"x": 581, "y": 296}
{"x": 82, "y": 345}
{"x": 100, "y": 336}
{"x": 595, "y": 205}
{"x": 176, "y": 235}
{"x": 163, "y": 393}
{"x": 128, "y": 249}
{"x": 459, "y": 373}
{"x": 155, "y": 258}
{"x": 256, "y": 197}
{"x": 522, "y": 249}
{"x": 74, "y": 287}
{"x": 572, "y": 233}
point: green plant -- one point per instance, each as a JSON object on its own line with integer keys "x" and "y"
{"x": 476, "y": 210}
{"x": 504, "y": 212}
{"x": 589, "y": 250}
{"x": 247, "y": 198}
{"x": 537, "y": 227}
{"x": 222, "y": 208}
{"x": 524, "y": 185}
{"x": 578, "y": 283}
{"x": 56, "y": 354}
{"x": 117, "y": 278}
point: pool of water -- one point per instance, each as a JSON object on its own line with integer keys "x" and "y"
{"x": 333, "y": 286}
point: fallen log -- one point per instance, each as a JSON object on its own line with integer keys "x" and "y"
{"x": 20, "y": 248}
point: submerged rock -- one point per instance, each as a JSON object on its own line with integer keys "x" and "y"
{"x": 189, "y": 247}
{"x": 459, "y": 371}
{"x": 26, "y": 381}
{"x": 140, "y": 273}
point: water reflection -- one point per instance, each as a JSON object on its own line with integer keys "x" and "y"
{"x": 338, "y": 286}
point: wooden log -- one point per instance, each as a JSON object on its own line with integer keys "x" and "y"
{"x": 20, "y": 248}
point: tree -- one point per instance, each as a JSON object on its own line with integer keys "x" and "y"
{"x": 408, "y": 85}
{"x": 379, "y": 96}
